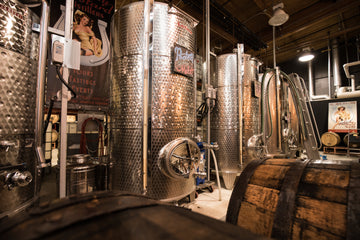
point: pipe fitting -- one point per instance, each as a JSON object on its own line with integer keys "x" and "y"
{"x": 15, "y": 178}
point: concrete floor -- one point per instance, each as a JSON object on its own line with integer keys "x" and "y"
{"x": 208, "y": 203}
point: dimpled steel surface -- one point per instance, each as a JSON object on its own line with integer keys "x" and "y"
{"x": 225, "y": 118}
{"x": 18, "y": 50}
{"x": 172, "y": 102}
{"x": 251, "y": 105}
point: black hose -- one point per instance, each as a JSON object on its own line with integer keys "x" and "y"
{"x": 202, "y": 111}
{"x": 52, "y": 100}
{"x": 63, "y": 81}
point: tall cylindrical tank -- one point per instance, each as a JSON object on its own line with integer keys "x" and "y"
{"x": 225, "y": 117}
{"x": 18, "y": 49}
{"x": 251, "y": 105}
{"x": 172, "y": 98}
{"x": 289, "y": 119}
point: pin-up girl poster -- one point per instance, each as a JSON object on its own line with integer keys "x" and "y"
{"x": 82, "y": 27}
{"x": 342, "y": 117}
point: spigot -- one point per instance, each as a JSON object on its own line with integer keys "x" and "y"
{"x": 5, "y": 145}
{"x": 201, "y": 175}
{"x": 213, "y": 145}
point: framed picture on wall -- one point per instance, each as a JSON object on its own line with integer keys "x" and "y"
{"x": 342, "y": 117}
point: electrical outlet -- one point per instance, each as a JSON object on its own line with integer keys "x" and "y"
{"x": 57, "y": 52}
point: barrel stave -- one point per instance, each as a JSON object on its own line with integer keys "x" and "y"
{"x": 325, "y": 215}
{"x": 302, "y": 230}
{"x": 321, "y": 200}
{"x": 270, "y": 176}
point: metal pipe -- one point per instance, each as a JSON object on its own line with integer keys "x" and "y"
{"x": 357, "y": 48}
{"x": 278, "y": 108}
{"x": 208, "y": 77}
{"x": 148, "y": 18}
{"x": 346, "y": 67}
{"x": 336, "y": 64}
{"x": 240, "y": 50}
{"x": 329, "y": 68}
{"x": 217, "y": 172}
{"x": 348, "y": 94}
{"x": 311, "y": 85}
{"x": 64, "y": 103}
{"x": 40, "y": 88}
{"x": 274, "y": 51}
{"x": 311, "y": 81}
{"x": 353, "y": 83}
{"x": 213, "y": 54}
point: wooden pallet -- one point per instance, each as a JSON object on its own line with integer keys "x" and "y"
{"x": 336, "y": 150}
{"x": 354, "y": 151}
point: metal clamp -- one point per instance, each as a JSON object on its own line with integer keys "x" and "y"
{"x": 177, "y": 158}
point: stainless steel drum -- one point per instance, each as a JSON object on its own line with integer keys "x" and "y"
{"x": 80, "y": 174}
{"x": 18, "y": 70}
{"x": 172, "y": 99}
{"x": 81, "y": 178}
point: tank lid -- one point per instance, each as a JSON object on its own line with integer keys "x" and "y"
{"x": 79, "y": 159}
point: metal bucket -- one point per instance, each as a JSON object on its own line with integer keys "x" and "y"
{"x": 80, "y": 179}
{"x": 18, "y": 71}
{"x": 172, "y": 100}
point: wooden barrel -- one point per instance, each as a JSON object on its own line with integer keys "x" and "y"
{"x": 105, "y": 215}
{"x": 352, "y": 140}
{"x": 330, "y": 139}
{"x": 294, "y": 199}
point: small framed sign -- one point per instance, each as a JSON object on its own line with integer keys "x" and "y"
{"x": 342, "y": 117}
{"x": 183, "y": 61}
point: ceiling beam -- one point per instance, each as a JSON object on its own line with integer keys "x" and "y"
{"x": 311, "y": 16}
{"x": 261, "y": 4}
{"x": 229, "y": 23}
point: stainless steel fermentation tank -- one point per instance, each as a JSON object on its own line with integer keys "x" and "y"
{"x": 278, "y": 135}
{"x": 225, "y": 127}
{"x": 18, "y": 71}
{"x": 171, "y": 98}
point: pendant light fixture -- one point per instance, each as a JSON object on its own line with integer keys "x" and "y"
{"x": 279, "y": 16}
{"x": 306, "y": 55}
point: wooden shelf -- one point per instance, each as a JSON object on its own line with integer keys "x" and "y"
{"x": 336, "y": 150}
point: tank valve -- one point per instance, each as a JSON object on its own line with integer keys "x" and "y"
{"x": 213, "y": 145}
{"x": 16, "y": 178}
{"x": 200, "y": 175}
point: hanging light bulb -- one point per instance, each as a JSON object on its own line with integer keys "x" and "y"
{"x": 279, "y": 16}
{"x": 306, "y": 55}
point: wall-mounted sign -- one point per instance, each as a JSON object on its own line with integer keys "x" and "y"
{"x": 183, "y": 61}
{"x": 342, "y": 117}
